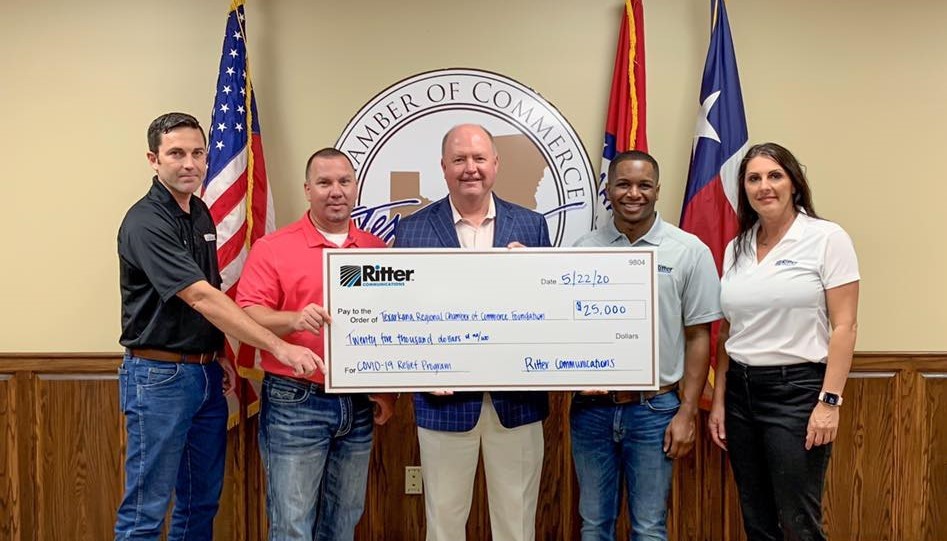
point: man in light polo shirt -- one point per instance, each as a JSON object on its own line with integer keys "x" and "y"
{"x": 315, "y": 446}
{"x": 637, "y": 435}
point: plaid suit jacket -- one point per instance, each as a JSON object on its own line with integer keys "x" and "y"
{"x": 433, "y": 227}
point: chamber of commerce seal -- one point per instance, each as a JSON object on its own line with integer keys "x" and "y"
{"x": 394, "y": 142}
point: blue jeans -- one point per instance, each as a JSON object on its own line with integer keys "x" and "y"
{"x": 779, "y": 481}
{"x": 611, "y": 441}
{"x": 176, "y": 422}
{"x": 315, "y": 449}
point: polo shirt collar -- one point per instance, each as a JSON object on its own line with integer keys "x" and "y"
{"x": 654, "y": 236}
{"x": 611, "y": 233}
{"x": 455, "y": 214}
{"x": 796, "y": 230}
{"x": 315, "y": 239}
{"x": 798, "y": 227}
{"x": 163, "y": 196}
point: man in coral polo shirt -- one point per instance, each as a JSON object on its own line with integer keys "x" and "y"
{"x": 315, "y": 446}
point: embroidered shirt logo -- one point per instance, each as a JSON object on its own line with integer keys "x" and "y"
{"x": 662, "y": 269}
{"x": 785, "y": 263}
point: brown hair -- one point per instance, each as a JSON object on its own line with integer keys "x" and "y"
{"x": 746, "y": 216}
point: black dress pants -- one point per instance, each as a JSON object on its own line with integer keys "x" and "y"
{"x": 779, "y": 481}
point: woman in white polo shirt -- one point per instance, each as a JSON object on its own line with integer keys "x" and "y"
{"x": 789, "y": 294}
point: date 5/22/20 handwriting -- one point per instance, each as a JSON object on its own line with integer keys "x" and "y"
{"x": 585, "y": 277}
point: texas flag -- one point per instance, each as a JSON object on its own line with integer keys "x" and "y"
{"x": 720, "y": 142}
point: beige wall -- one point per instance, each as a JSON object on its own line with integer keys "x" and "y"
{"x": 858, "y": 90}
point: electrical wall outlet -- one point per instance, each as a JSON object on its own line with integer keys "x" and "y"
{"x": 412, "y": 480}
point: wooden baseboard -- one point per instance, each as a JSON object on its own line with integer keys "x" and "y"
{"x": 61, "y": 448}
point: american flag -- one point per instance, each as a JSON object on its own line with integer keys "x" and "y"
{"x": 625, "y": 127}
{"x": 720, "y": 142}
{"x": 236, "y": 189}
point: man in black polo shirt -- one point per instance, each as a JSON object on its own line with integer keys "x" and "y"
{"x": 174, "y": 316}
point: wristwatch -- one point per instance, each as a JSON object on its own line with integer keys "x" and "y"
{"x": 831, "y": 399}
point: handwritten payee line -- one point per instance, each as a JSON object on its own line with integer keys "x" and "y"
{"x": 480, "y": 321}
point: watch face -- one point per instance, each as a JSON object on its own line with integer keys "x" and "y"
{"x": 830, "y": 399}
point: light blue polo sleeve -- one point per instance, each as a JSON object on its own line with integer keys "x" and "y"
{"x": 700, "y": 299}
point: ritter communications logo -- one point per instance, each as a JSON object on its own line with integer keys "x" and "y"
{"x": 394, "y": 142}
{"x": 350, "y": 276}
{"x": 373, "y": 275}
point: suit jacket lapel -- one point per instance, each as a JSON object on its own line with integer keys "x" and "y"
{"x": 503, "y": 227}
{"x": 442, "y": 222}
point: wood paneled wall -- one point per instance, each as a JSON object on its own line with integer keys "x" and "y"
{"x": 61, "y": 450}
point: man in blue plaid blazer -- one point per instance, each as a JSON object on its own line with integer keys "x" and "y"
{"x": 453, "y": 428}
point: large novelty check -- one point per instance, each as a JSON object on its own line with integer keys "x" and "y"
{"x": 520, "y": 319}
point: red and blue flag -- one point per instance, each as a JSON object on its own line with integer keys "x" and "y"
{"x": 625, "y": 127}
{"x": 720, "y": 142}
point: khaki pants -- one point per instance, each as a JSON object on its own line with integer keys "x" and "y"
{"x": 513, "y": 460}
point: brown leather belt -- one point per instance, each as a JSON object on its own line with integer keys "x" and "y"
{"x": 174, "y": 356}
{"x": 625, "y": 397}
